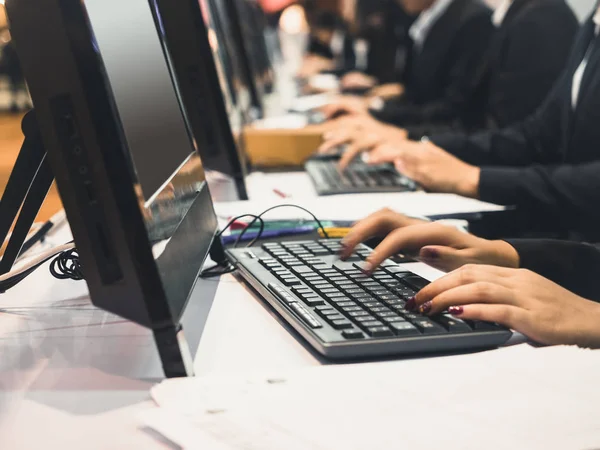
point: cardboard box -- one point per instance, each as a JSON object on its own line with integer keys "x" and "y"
{"x": 282, "y": 147}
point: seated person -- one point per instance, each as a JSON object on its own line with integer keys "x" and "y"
{"x": 547, "y": 165}
{"x": 450, "y": 40}
{"x": 553, "y": 302}
{"x": 528, "y": 51}
{"x": 385, "y": 28}
{"x": 330, "y": 45}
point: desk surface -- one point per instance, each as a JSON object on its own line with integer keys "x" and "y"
{"x": 73, "y": 376}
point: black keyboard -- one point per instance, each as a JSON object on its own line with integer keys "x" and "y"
{"x": 344, "y": 313}
{"x": 356, "y": 179}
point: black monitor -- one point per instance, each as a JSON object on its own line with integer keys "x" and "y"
{"x": 213, "y": 99}
{"x": 250, "y": 19}
{"x": 226, "y": 24}
{"x": 124, "y": 160}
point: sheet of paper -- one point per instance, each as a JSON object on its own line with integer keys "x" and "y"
{"x": 514, "y": 397}
{"x": 308, "y": 102}
{"x": 358, "y": 206}
{"x": 283, "y": 122}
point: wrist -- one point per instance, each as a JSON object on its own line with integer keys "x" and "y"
{"x": 506, "y": 255}
{"x": 468, "y": 186}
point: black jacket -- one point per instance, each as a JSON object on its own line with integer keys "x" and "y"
{"x": 548, "y": 166}
{"x": 572, "y": 265}
{"x": 445, "y": 73}
{"x": 527, "y": 54}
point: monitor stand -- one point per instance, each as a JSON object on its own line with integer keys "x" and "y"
{"x": 27, "y": 188}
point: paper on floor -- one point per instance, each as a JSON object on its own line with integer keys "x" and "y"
{"x": 519, "y": 397}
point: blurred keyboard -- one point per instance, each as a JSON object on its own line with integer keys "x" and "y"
{"x": 358, "y": 178}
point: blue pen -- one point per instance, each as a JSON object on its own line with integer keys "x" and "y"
{"x": 268, "y": 234}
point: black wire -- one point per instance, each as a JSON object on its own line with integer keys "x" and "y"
{"x": 67, "y": 266}
{"x": 259, "y": 217}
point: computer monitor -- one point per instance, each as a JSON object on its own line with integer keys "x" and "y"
{"x": 249, "y": 17}
{"x": 228, "y": 30}
{"x": 126, "y": 168}
{"x": 211, "y": 95}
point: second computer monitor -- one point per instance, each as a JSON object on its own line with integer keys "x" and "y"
{"x": 211, "y": 93}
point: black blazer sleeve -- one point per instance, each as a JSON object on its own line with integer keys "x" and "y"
{"x": 536, "y": 139}
{"x": 473, "y": 42}
{"x": 572, "y": 265}
{"x": 565, "y": 195}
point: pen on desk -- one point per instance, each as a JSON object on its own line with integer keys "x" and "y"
{"x": 280, "y": 193}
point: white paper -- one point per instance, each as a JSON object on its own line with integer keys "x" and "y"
{"x": 515, "y": 397}
{"x": 357, "y": 206}
{"x": 309, "y": 102}
{"x": 283, "y": 122}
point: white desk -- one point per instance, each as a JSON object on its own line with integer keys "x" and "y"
{"x": 72, "y": 376}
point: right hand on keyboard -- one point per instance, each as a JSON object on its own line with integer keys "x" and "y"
{"x": 441, "y": 246}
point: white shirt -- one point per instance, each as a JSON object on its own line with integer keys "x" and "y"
{"x": 501, "y": 11}
{"x": 578, "y": 76}
{"x": 422, "y": 26}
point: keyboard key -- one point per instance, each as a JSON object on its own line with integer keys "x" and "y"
{"x": 353, "y": 334}
{"x": 396, "y": 269}
{"x": 478, "y": 325}
{"x": 427, "y": 326}
{"x": 327, "y": 312}
{"x": 290, "y": 281}
{"x": 415, "y": 281}
{"x": 313, "y": 300}
{"x": 372, "y": 324}
{"x": 335, "y": 295}
{"x": 359, "y": 314}
{"x": 306, "y": 316}
{"x": 342, "y": 324}
{"x": 404, "y": 329}
{"x": 386, "y": 314}
{"x": 393, "y": 319}
{"x": 332, "y": 317}
{"x": 330, "y": 290}
{"x": 452, "y": 324}
{"x": 379, "y": 332}
{"x": 302, "y": 290}
{"x": 342, "y": 266}
{"x": 346, "y": 304}
{"x": 302, "y": 269}
{"x": 380, "y": 309}
{"x": 362, "y": 319}
{"x": 351, "y": 309}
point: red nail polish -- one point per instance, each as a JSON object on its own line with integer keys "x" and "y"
{"x": 411, "y": 304}
{"x": 456, "y": 310}
{"x": 425, "y": 308}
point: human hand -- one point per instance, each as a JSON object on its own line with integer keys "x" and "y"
{"x": 441, "y": 246}
{"x": 361, "y": 134}
{"x": 433, "y": 168}
{"x": 518, "y": 299}
{"x": 313, "y": 65}
{"x": 358, "y": 80}
{"x": 346, "y": 104}
{"x": 387, "y": 91}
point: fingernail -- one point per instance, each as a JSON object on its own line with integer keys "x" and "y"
{"x": 430, "y": 253}
{"x": 456, "y": 310}
{"x": 425, "y": 308}
{"x": 411, "y": 304}
{"x": 367, "y": 267}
